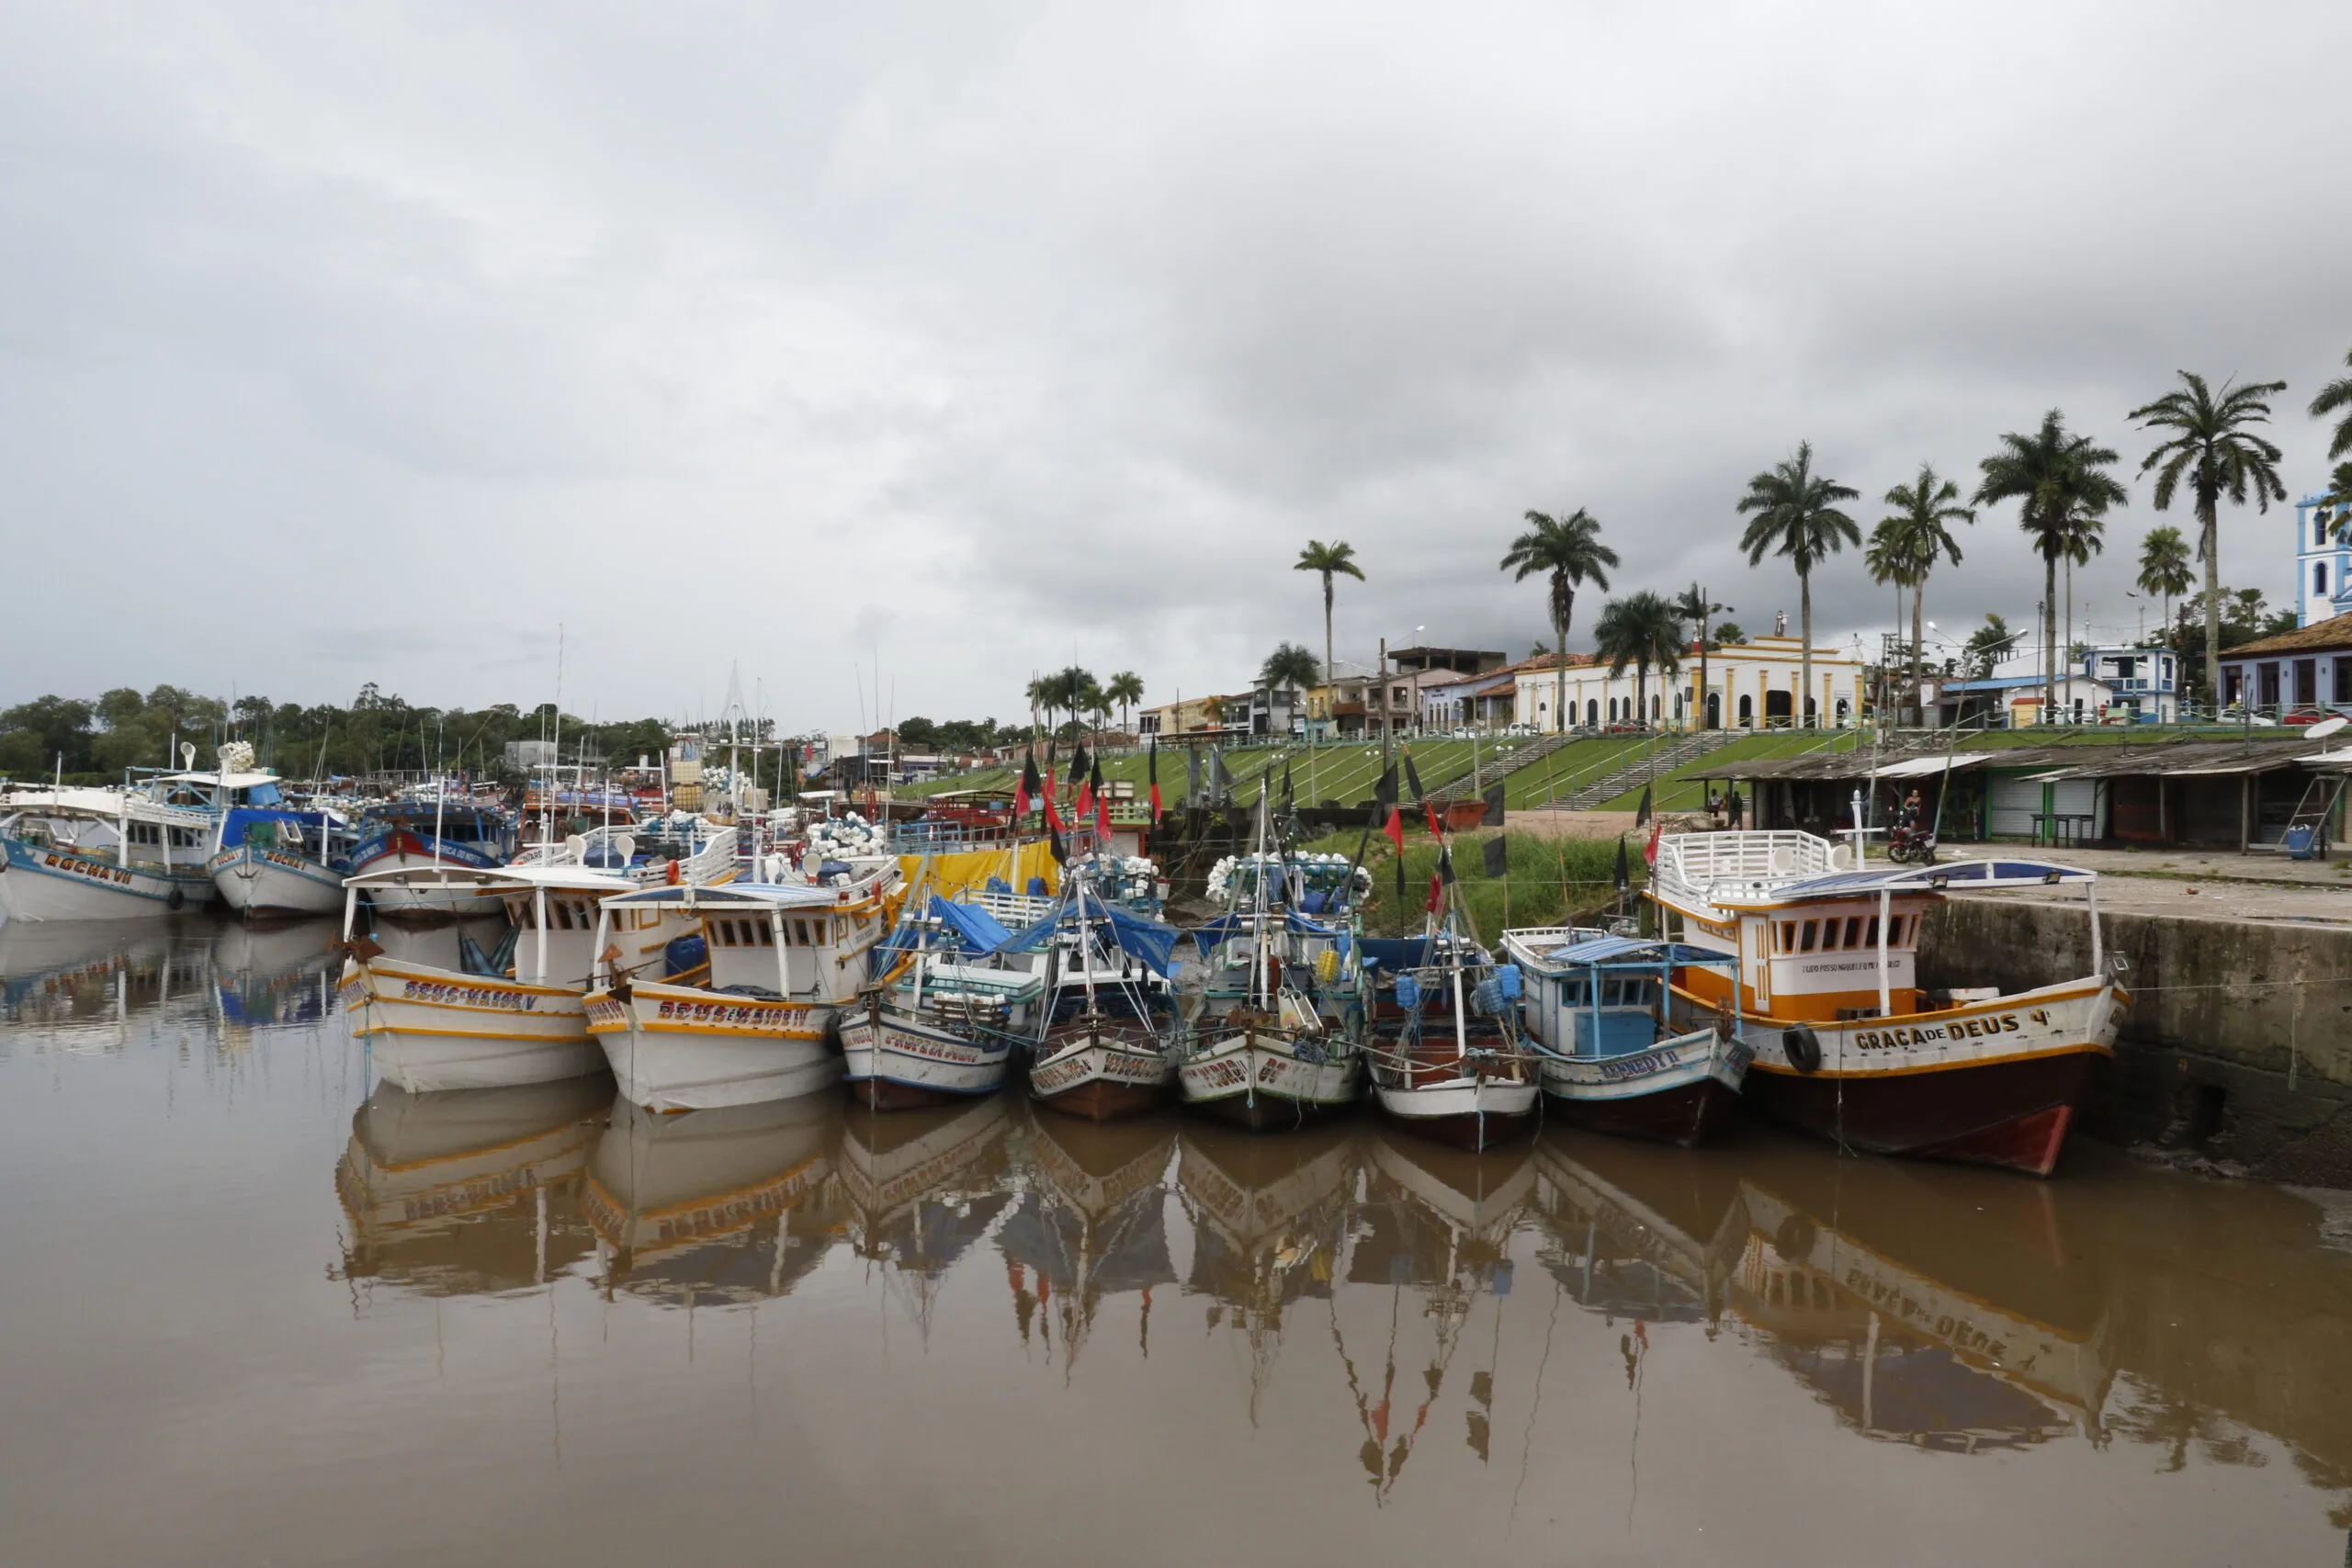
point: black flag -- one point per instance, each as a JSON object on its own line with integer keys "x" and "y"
{"x": 1446, "y": 865}
{"x": 1494, "y": 816}
{"x": 1060, "y": 851}
{"x": 1641, "y": 812}
{"x": 1498, "y": 852}
{"x": 1413, "y": 777}
{"x": 1385, "y": 791}
{"x": 1624, "y": 870}
{"x": 1288, "y": 799}
{"x": 1078, "y": 765}
{"x": 1032, "y": 790}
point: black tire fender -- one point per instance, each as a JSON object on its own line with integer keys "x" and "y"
{"x": 1803, "y": 1047}
{"x": 175, "y": 900}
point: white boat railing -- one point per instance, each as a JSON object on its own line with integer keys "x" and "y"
{"x": 1531, "y": 946}
{"x": 1694, "y": 866}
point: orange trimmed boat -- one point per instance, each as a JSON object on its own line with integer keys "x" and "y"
{"x": 1848, "y": 1046}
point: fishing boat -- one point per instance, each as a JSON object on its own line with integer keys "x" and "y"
{"x": 75, "y": 854}
{"x": 1848, "y": 1046}
{"x": 1092, "y": 1227}
{"x": 1113, "y": 1031}
{"x": 944, "y": 1019}
{"x": 1621, "y": 1049}
{"x": 785, "y": 960}
{"x": 440, "y": 1012}
{"x": 1466, "y": 1077}
{"x": 432, "y": 834}
{"x": 1288, "y": 1048}
{"x": 277, "y": 862}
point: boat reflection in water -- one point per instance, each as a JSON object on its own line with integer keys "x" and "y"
{"x": 1437, "y": 1222}
{"x": 1639, "y": 1231}
{"x": 83, "y": 976}
{"x": 1952, "y": 1313}
{"x": 921, "y": 1186}
{"x": 469, "y": 1190}
{"x": 704, "y": 1207}
{"x": 1092, "y": 1226}
{"x": 272, "y": 975}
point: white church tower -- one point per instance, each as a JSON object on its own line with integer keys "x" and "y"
{"x": 2322, "y": 559}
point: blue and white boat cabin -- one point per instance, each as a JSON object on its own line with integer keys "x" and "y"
{"x": 1594, "y": 996}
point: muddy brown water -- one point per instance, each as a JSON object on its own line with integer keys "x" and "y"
{"x": 255, "y": 1312}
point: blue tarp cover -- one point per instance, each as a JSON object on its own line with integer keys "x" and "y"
{"x": 1635, "y": 953}
{"x": 1225, "y": 927}
{"x": 234, "y": 826}
{"x": 979, "y": 929}
{"x": 1145, "y": 939}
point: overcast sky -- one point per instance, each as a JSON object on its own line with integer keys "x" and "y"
{"x": 357, "y": 342}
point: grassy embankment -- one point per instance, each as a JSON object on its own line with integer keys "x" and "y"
{"x": 1546, "y": 882}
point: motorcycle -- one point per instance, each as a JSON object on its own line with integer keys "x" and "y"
{"x": 1911, "y": 845}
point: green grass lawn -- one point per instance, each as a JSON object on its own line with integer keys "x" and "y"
{"x": 1546, "y": 882}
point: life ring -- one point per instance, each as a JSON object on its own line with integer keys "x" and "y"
{"x": 1803, "y": 1047}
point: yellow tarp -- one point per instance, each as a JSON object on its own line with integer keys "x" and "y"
{"x": 967, "y": 871}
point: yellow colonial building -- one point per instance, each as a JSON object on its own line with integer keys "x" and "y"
{"x": 1752, "y": 685}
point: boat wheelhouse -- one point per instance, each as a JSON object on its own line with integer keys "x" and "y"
{"x": 785, "y": 962}
{"x": 1622, "y": 1050}
{"x": 1848, "y": 1046}
{"x": 492, "y": 1019}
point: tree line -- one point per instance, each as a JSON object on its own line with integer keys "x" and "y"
{"x": 95, "y": 739}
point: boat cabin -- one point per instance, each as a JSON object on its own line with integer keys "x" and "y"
{"x": 1595, "y": 996}
{"x": 1802, "y": 933}
{"x": 766, "y": 940}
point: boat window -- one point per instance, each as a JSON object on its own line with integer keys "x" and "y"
{"x": 1854, "y": 930}
{"x": 767, "y": 933}
{"x": 1869, "y": 933}
{"x": 1572, "y": 993}
{"x": 525, "y": 916}
{"x": 1788, "y": 936}
{"x": 1805, "y": 944}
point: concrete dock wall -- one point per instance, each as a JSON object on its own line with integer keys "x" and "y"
{"x": 2239, "y": 1042}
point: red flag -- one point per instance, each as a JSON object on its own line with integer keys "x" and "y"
{"x": 1053, "y": 813}
{"x": 1436, "y": 900}
{"x": 1429, "y": 807}
{"x": 1155, "y": 781}
{"x": 1394, "y": 829}
{"x": 1102, "y": 815}
{"x": 1649, "y": 851}
{"x": 1085, "y": 795}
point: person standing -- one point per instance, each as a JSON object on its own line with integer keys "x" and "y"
{"x": 1732, "y": 804}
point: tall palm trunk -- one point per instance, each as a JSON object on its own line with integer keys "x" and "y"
{"x": 2050, "y": 630}
{"x": 1641, "y": 692}
{"x": 1804, "y": 663}
{"x": 1328, "y": 676}
{"x": 1918, "y": 594}
{"x": 2207, "y": 525}
{"x": 1564, "y": 605}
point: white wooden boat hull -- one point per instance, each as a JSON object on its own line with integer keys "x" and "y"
{"x": 429, "y": 1029}
{"x": 1679, "y": 1091}
{"x": 1105, "y": 1062}
{"x": 1468, "y": 1099}
{"x": 679, "y": 1048}
{"x": 59, "y": 884}
{"x": 1259, "y": 1079}
{"x": 255, "y": 881}
{"x": 894, "y": 1061}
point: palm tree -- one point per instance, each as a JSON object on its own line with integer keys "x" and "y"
{"x": 2060, "y": 483}
{"x": 1337, "y": 559}
{"x": 2209, "y": 441}
{"x": 1569, "y": 550}
{"x": 1644, "y": 632}
{"x": 1290, "y": 666}
{"x": 1693, "y": 605}
{"x": 1987, "y": 646}
{"x": 1041, "y": 696}
{"x": 1924, "y": 509}
{"x": 1889, "y": 559}
{"x": 2336, "y": 398}
{"x": 1797, "y": 516}
{"x": 1127, "y": 690}
{"x": 2164, "y": 567}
